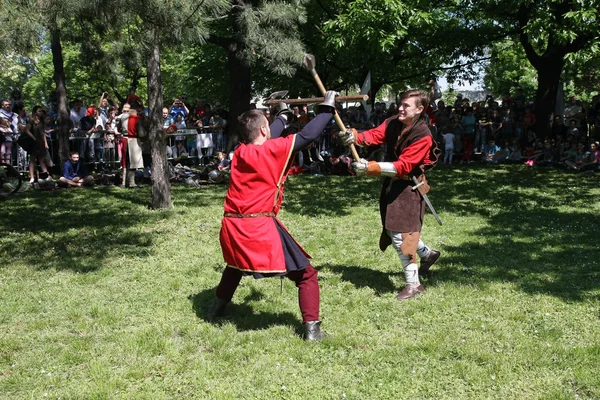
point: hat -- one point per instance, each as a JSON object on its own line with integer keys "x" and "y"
{"x": 217, "y": 104}
{"x": 90, "y": 111}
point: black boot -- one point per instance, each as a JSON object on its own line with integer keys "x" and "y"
{"x": 217, "y": 309}
{"x": 314, "y": 331}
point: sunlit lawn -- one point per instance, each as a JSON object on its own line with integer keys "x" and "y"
{"x": 101, "y": 297}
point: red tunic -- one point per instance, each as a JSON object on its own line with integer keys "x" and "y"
{"x": 253, "y": 243}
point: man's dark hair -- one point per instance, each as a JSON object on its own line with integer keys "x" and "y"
{"x": 73, "y": 152}
{"x": 422, "y": 99}
{"x": 250, "y": 123}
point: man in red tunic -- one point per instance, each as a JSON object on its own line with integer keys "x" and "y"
{"x": 410, "y": 151}
{"x": 253, "y": 241}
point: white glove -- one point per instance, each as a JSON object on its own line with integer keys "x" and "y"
{"x": 348, "y": 137}
{"x": 360, "y": 167}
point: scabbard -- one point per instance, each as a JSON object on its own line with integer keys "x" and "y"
{"x": 427, "y": 201}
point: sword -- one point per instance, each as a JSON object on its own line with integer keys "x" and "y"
{"x": 426, "y": 198}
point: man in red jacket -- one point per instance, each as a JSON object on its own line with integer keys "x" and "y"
{"x": 410, "y": 151}
{"x": 254, "y": 242}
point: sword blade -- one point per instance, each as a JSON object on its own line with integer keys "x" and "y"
{"x": 428, "y": 202}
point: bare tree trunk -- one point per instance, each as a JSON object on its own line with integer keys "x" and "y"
{"x": 161, "y": 186}
{"x": 240, "y": 75}
{"x": 545, "y": 99}
{"x": 61, "y": 96}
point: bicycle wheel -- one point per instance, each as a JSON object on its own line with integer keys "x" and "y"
{"x": 10, "y": 180}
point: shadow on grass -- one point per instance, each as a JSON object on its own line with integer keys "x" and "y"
{"x": 240, "y": 314}
{"x": 78, "y": 229}
{"x": 527, "y": 237}
{"x": 362, "y": 277}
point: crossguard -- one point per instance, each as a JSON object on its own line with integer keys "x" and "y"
{"x": 418, "y": 185}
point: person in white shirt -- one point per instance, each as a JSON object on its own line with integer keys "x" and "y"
{"x": 77, "y": 113}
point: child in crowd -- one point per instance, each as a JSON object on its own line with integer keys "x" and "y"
{"x": 224, "y": 162}
{"x": 6, "y": 137}
{"x": 448, "y": 147}
{"x": 109, "y": 148}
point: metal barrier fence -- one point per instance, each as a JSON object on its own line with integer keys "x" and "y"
{"x": 102, "y": 148}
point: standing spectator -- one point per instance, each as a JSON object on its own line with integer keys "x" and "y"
{"x": 77, "y": 113}
{"x": 121, "y": 136}
{"x": 468, "y": 122}
{"x": 7, "y": 113}
{"x": 574, "y": 111}
{"x": 87, "y": 125}
{"x": 109, "y": 149}
{"x": 6, "y": 137}
{"x": 507, "y": 131}
{"x": 449, "y": 138}
{"x": 528, "y": 120}
{"x": 104, "y": 106}
{"x": 559, "y": 129}
{"x": 178, "y": 108}
{"x": 133, "y": 155}
{"x": 132, "y": 97}
{"x": 496, "y": 125}
{"x": 573, "y": 130}
{"x": 217, "y": 125}
{"x": 35, "y": 129}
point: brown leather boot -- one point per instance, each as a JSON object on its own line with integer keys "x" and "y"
{"x": 314, "y": 331}
{"x": 427, "y": 262}
{"x": 409, "y": 292}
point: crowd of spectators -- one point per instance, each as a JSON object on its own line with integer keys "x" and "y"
{"x": 487, "y": 131}
{"x": 97, "y": 130}
{"x": 505, "y": 132}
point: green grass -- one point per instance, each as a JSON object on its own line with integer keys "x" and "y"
{"x": 102, "y": 298}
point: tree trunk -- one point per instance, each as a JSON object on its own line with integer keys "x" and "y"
{"x": 240, "y": 75}
{"x": 161, "y": 186}
{"x": 61, "y": 96}
{"x": 545, "y": 100}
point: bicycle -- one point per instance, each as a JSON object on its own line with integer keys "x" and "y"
{"x": 10, "y": 180}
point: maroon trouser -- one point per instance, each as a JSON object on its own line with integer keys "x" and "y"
{"x": 306, "y": 282}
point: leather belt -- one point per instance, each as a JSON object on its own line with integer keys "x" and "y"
{"x": 255, "y": 215}
{"x": 403, "y": 177}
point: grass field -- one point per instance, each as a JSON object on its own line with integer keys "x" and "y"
{"x": 102, "y": 298}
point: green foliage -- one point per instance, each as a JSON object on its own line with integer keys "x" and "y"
{"x": 508, "y": 69}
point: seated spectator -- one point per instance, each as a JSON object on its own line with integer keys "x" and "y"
{"x": 547, "y": 157}
{"x": 490, "y": 150}
{"x": 569, "y": 154}
{"x": 224, "y": 163}
{"x": 515, "y": 155}
{"x": 75, "y": 173}
{"x": 503, "y": 154}
{"x": 582, "y": 159}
